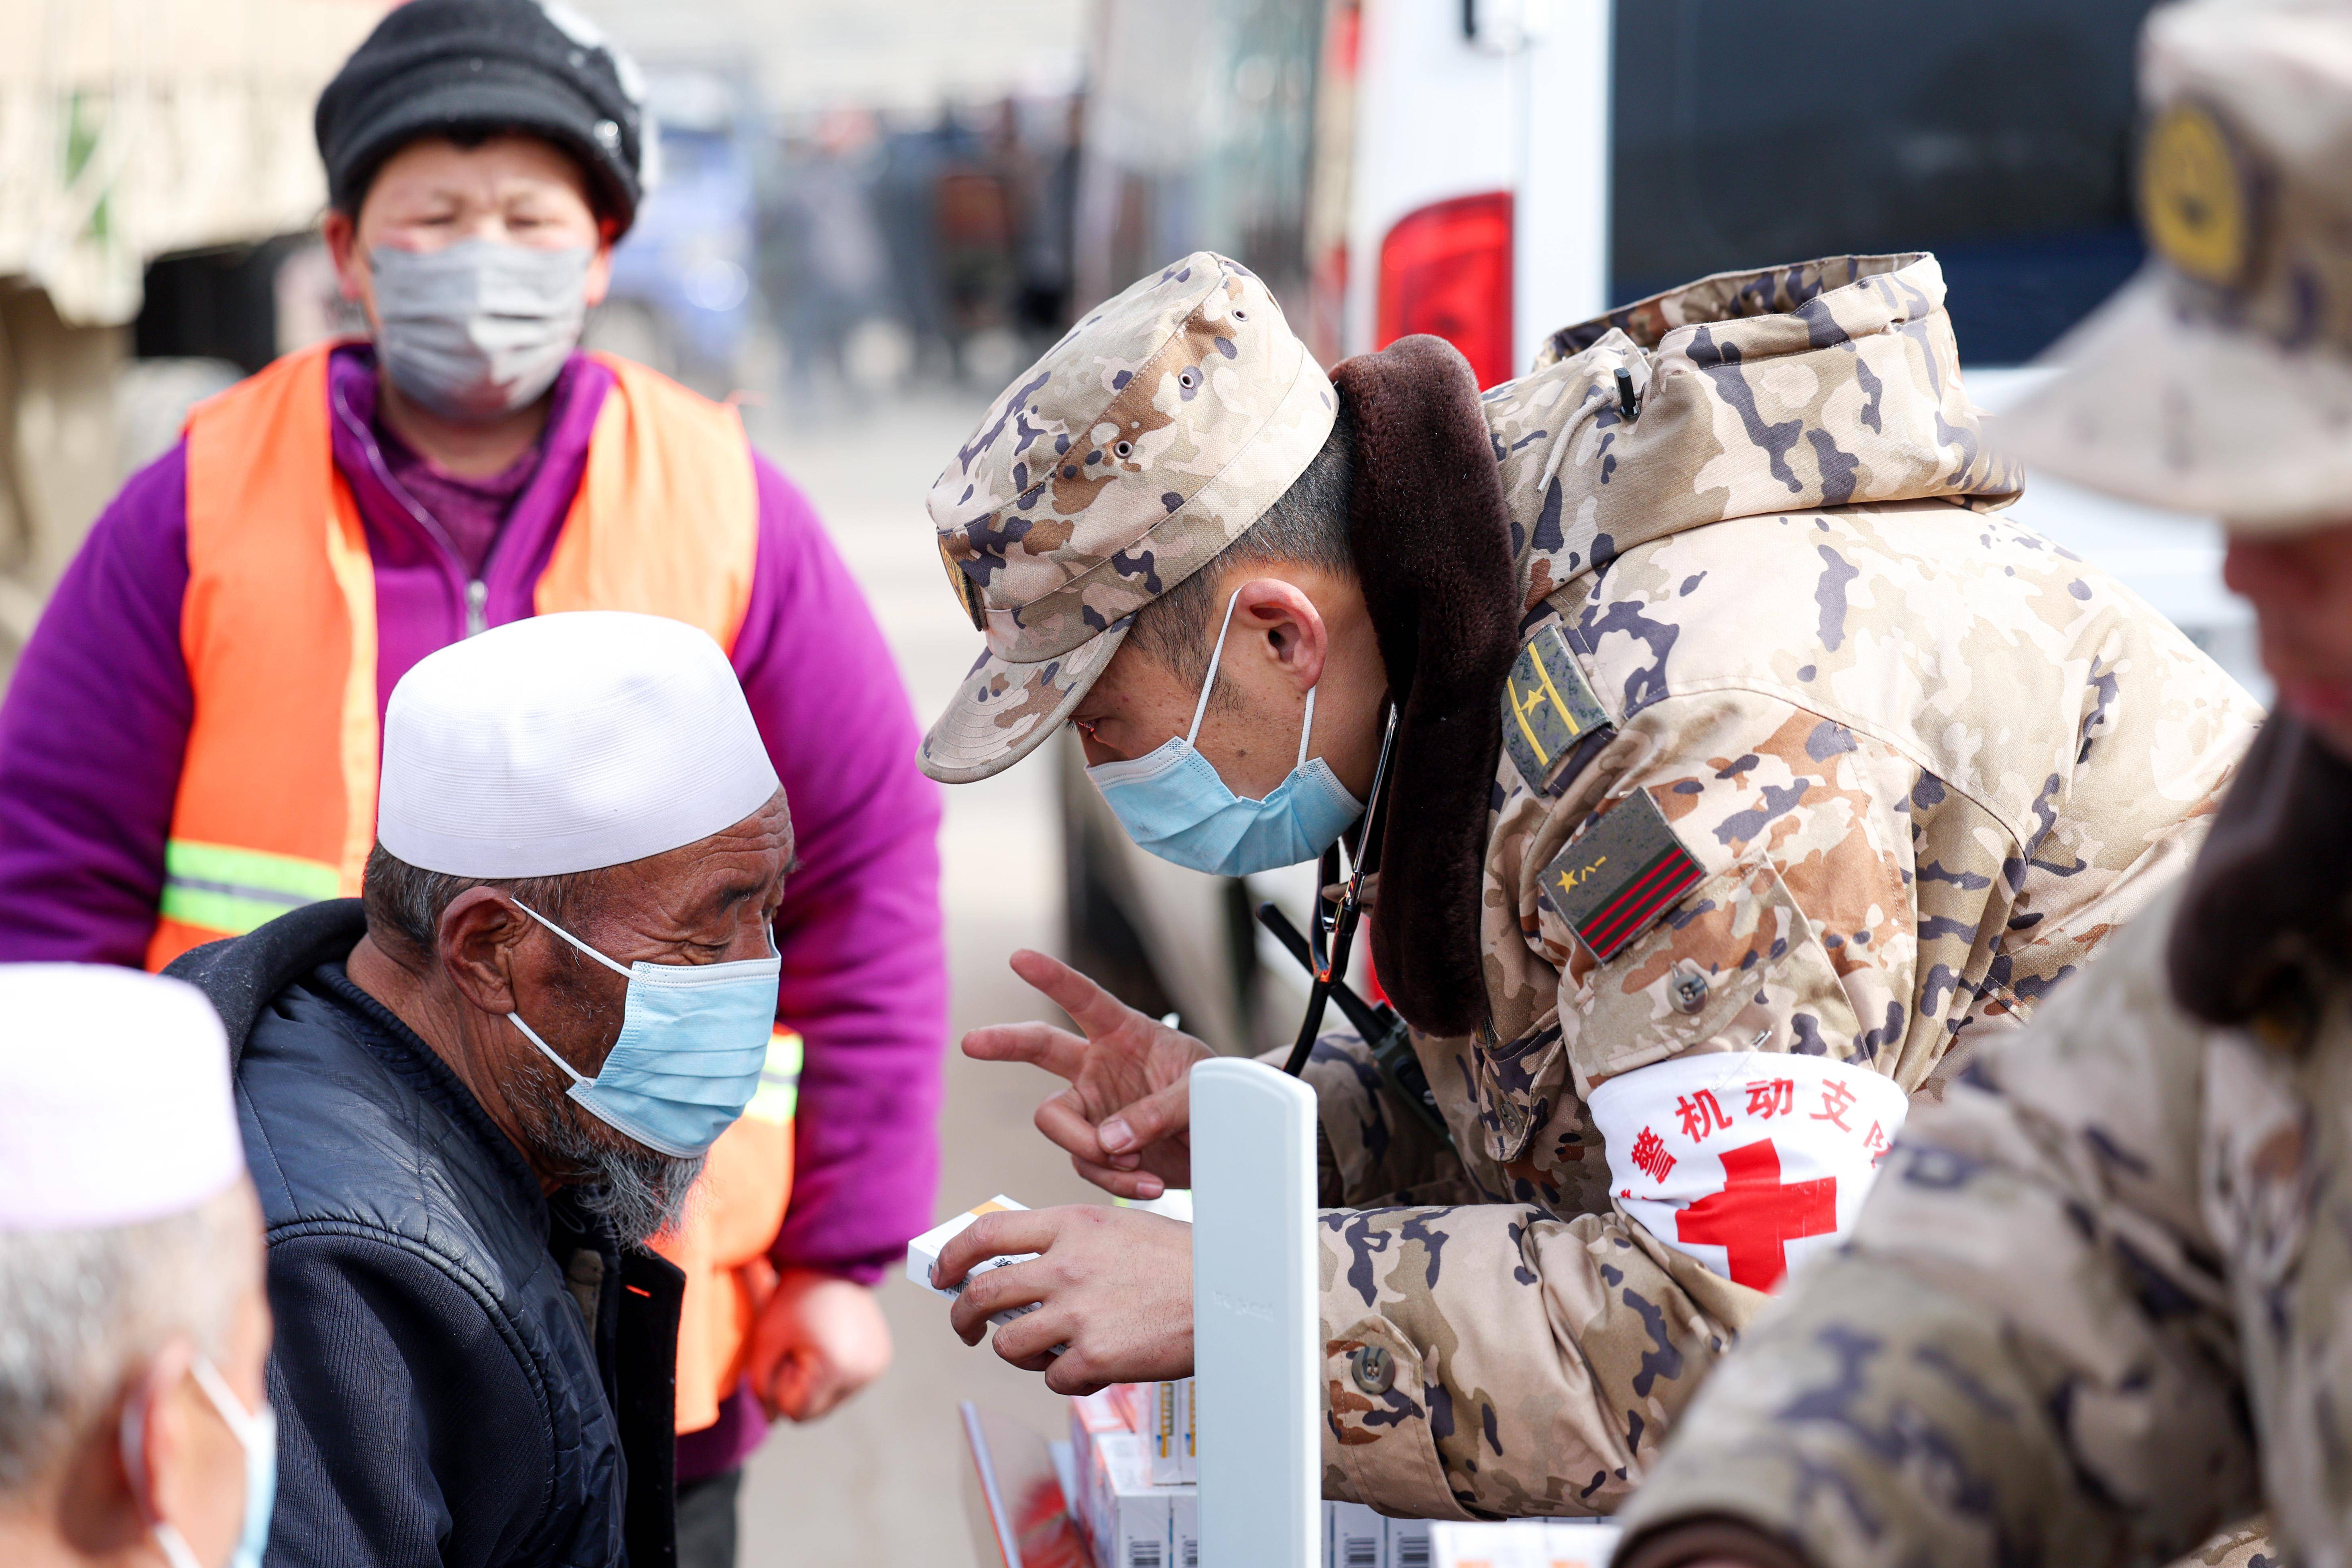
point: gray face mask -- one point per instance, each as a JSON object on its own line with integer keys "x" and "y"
{"x": 477, "y": 329}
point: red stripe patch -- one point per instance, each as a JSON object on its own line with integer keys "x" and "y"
{"x": 1653, "y": 892}
{"x": 1603, "y": 918}
{"x": 1619, "y": 874}
{"x": 1665, "y": 898}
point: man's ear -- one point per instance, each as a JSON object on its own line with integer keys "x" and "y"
{"x": 154, "y": 1435}
{"x": 1280, "y": 616}
{"x": 477, "y": 939}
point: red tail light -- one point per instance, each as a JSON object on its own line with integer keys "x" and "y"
{"x": 1447, "y": 270}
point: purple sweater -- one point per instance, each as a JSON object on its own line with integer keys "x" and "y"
{"x": 96, "y": 721}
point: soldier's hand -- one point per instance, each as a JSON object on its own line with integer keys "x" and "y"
{"x": 1112, "y": 1287}
{"x": 1126, "y": 1117}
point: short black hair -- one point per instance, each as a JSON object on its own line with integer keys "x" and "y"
{"x": 1307, "y": 525}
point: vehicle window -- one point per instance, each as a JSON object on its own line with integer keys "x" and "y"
{"x": 1996, "y": 134}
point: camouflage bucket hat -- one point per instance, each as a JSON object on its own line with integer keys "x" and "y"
{"x": 2221, "y": 378}
{"x": 1144, "y": 442}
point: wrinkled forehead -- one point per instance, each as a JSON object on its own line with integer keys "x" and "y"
{"x": 763, "y": 837}
{"x": 741, "y": 859}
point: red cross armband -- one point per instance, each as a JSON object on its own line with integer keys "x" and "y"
{"x": 1750, "y": 1162}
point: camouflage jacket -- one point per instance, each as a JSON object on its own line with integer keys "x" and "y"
{"x": 2092, "y": 1310}
{"x": 1922, "y": 761}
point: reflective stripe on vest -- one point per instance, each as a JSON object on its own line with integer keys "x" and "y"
{"x": 779, "y": 1094}
{"x": 276, "y": 797}
{"x": 220, "y": 889}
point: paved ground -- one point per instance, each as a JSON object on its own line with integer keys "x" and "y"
{"x": 880, "y": 1482}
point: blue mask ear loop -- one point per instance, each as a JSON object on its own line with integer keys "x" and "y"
{"x": 532, "y": 1035}
{"x": 242, "y": 1424}
{"x": 1209, "y": 684}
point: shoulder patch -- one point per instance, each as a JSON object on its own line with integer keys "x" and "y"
{"x": 1548, "y": 707}
{"x": 1618, "y": 874}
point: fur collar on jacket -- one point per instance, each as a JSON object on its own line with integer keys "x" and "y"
{"x": 2264, "y": 922}
{"x": 1432, "y": 545}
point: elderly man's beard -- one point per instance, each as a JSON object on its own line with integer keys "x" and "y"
{"x": 643, "y": 1192}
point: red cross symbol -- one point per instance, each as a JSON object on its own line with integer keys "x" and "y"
{"x": 1754, "y": 1215}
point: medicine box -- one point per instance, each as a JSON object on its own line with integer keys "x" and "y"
{"x": 1523, "y": 1543}
{"x": 1131, "y": 1518}
{"x": 1353, "y": 1536}
{"x": 1123, "y": 1439}
{"x": 1409, "y": 1543}
{"x": 923, "y": 1254}
{"x": 1184, "y": 1526}
{"x": 1166, "y": 1425}
{"x": 1091, "y": 1415}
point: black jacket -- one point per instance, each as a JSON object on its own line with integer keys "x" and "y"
{"x": 461, "y": 1363}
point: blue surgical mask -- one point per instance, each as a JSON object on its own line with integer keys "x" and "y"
{"x": 693, "y": 1039}
{"x": 257, "y": 1433}
{"x": 1172, "y": 802}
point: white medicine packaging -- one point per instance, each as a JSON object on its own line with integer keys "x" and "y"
{"x": 1129, "y": 1520}
{"x": 1184, "y": 1526}
{"x": 1522, "y": 1543}
{"x": 1353, "y": 1536}
{"x": 923, "y": 1255}
{"x": 1167, "y": 1427}
{"x": 1092, "y": 1416}
{"x": 1131, "y": 1515}
{"x": 1409, "y": 1543}
{"x": 1580, "y": 1544}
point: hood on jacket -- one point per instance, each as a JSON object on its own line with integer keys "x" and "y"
{"x": 1832, "y": 382}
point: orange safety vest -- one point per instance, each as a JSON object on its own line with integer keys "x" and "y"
{"x": 278, "y": 787}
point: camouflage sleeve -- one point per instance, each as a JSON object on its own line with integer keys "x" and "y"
{"x": 1368, "y": 1149}
{"x": 1516, "y": 1359}
{"x": 1805, "y": 928}
{"x": 1487, "y": 1362}
{"x": 2027, "y": 1355}
{"x": 1800, "y": 933}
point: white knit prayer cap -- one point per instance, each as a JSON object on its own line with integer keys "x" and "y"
{"x": 114, "y": 1097}
{"x": 566, "y": 742}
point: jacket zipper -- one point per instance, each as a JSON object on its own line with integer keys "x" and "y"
{"x": 478, "y": 592}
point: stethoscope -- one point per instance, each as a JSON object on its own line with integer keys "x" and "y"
{"x": 1331, "y": 932}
